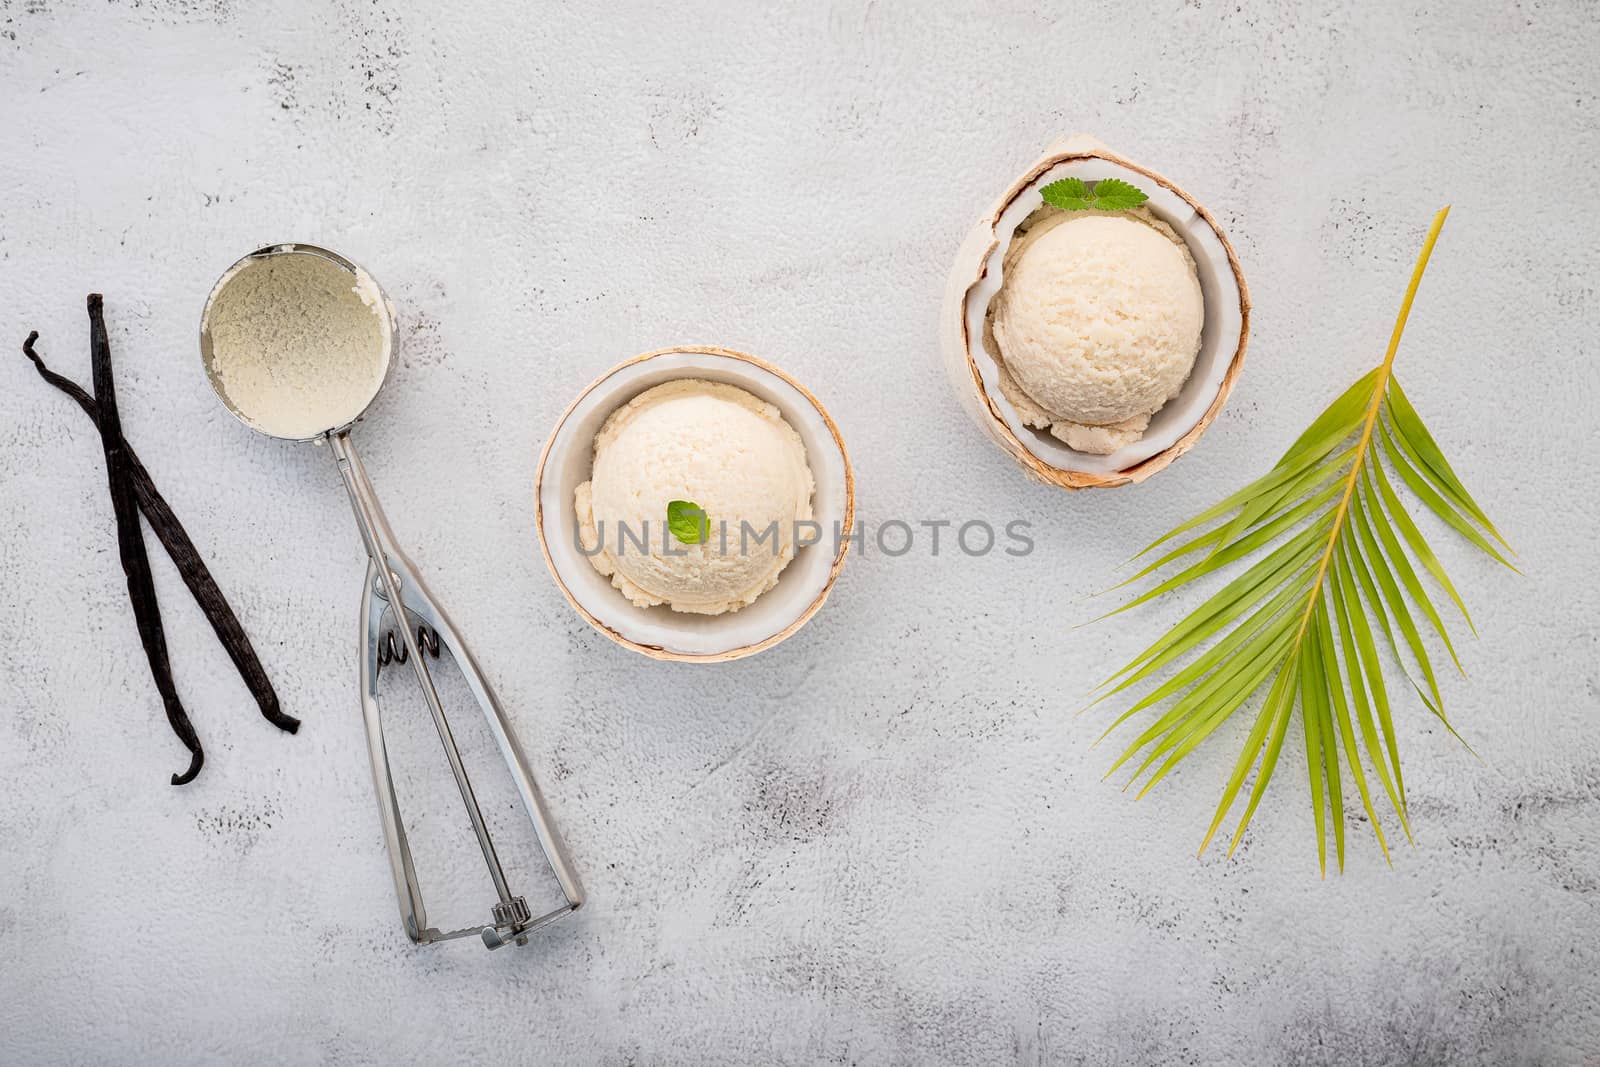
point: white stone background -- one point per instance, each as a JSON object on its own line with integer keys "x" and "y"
{"x": 888, "y": 839}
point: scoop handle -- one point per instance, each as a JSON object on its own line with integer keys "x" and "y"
{"x": 392, "y": 578}
{"x": 379, "y": 540}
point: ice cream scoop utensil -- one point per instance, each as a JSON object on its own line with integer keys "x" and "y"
{"x": 402, "y": 623}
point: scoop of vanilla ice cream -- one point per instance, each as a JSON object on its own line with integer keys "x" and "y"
{"x": 1097, "y": 324}
{"x": 716, "y": 446}
{"x": 298, "y": 343}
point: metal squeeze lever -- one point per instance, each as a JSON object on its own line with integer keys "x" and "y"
{"x": 395, "y": 602}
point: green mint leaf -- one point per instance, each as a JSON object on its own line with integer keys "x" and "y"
{"x": 1108, "y": 194}
{"x": 1113, "y": 194}
{"x": 1068, "y": 194}
{"x": 687, "y": 521}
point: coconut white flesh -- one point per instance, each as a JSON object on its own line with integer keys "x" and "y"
{"x": 977, "y": 286}
{"x": 801, "y": 587}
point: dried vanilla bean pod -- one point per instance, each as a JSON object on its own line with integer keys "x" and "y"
{"x": 130, "y": 540}
{"x": 175, "y": 539}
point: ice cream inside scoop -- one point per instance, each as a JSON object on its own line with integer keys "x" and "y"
{"x": 297, "y": 343}
{"x": 1097, "y": 324}
{"x": 713, "y": 445}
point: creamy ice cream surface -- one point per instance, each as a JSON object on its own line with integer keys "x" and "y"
{"x": 714, "y": 445}
{"x": 1096, "y": 325}
{"x": 298, "y": 343}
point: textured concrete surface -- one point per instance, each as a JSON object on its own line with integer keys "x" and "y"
{"x": 887, "y": 840}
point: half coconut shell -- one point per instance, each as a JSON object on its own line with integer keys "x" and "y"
{"x": 977, "y": 276}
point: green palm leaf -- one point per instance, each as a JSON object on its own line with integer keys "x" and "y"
{"x": 1338, "y": 562}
